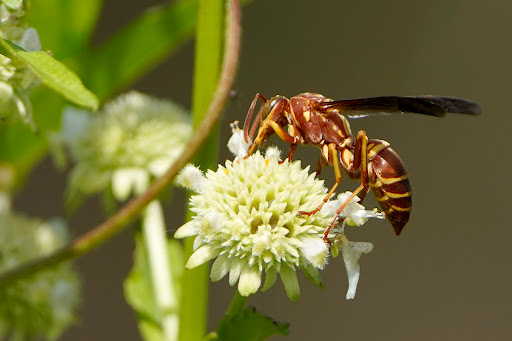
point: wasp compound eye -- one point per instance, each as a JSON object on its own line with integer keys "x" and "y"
{"x": 271, "y": 103}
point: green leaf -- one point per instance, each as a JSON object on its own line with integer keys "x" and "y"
{"x": 53, "y": 74}
{"x": 59, "y": 78}
{"x": 138, "y": 288}
{"x": 248, "y": 325}
{"x": 139, "y": 46}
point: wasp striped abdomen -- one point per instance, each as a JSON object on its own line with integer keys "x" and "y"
{"x": 389, "y": 181}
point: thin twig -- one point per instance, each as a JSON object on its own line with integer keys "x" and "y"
{"x": 128, "y": 212}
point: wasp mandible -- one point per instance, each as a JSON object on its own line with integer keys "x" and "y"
{"x": 314, "y": 119}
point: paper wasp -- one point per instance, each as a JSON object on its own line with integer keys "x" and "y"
{"x": 314, "y": 119}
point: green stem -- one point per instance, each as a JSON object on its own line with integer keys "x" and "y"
{"x": 194, "y": 294}
{"x": 130, "y": 211}
{"x": 153, "y": 226}
{"x": 237, "y": 304}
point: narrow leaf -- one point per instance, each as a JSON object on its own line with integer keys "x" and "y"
{"x": 59, "y": 78}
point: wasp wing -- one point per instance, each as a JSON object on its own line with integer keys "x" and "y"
{"x": 426, "y": 105}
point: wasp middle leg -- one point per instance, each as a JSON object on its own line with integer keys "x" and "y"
{"x": 329, "y": 153}
{"x": 356, "y": 163}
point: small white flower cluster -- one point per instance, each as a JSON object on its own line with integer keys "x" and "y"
{"x": 133, "y": 138}
{"x": 16, "y": 80}
{"x": 247, "y": 217}
{"x": 44, "y": 304}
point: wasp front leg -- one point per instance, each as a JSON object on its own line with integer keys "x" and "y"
{"x": 249, "y": 116}
{"x": 283, "y": 134}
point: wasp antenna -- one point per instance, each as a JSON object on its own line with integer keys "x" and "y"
{"x": 248, "y": 120}
{"x": 249, "y": 115}
{"x": 256, "y": 123}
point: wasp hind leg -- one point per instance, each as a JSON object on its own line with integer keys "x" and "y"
{"x": 338, "y": 212}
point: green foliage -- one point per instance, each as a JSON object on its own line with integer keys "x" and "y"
{"x": 65, "y": 26}
{"x": 59, "y": 78}
{"x": 53, "y": 74}
{"x": 12, "y": 3}
{"x": 138, "y": 288}
{"x": 247, "y": 325}
{"x": 140, "y": 46}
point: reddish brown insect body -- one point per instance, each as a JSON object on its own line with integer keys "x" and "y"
{"x": 315, "y": 119}
{"x": 389, "y": 181}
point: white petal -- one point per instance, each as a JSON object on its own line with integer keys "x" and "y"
{"x": 128, "y": 180}
{"x": 189, "y": 229}
{"x": 237, "y": 145}
{"x": 159, "y": 166}
{"x": 192, "y": 178}
{"x": 30, "y": 40}
{"x": 236, "y": 268}
{"x": 351, "y": 252}
{"x": 315, "y": 250}
{"x": 220, "y": 267}
{"x": 291, "y": 283}
{"x": 272, "y": 153}
{"x": 198, "y": 242}
{"x": 342, "y": 197}
{"x": 361, "y": 216}
{"x": 74, "y": 123}
{"x": 201, "y": 256}
{"x": 330, "y": 207}
{"x": 215, "y": 219}
{"x": 250, "y": 280}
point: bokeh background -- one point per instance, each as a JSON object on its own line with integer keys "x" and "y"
{"x": 448, "y": 276}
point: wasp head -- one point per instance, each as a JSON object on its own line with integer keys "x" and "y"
{"x": 273, "y": 110}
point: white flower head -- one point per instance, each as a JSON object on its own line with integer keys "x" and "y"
{"x": 44, "y": 304}
{"x": 247, "y": 217}
{"x": 135, "y": 137}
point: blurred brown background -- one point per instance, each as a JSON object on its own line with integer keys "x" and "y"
{"x": 448, "y": 276}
